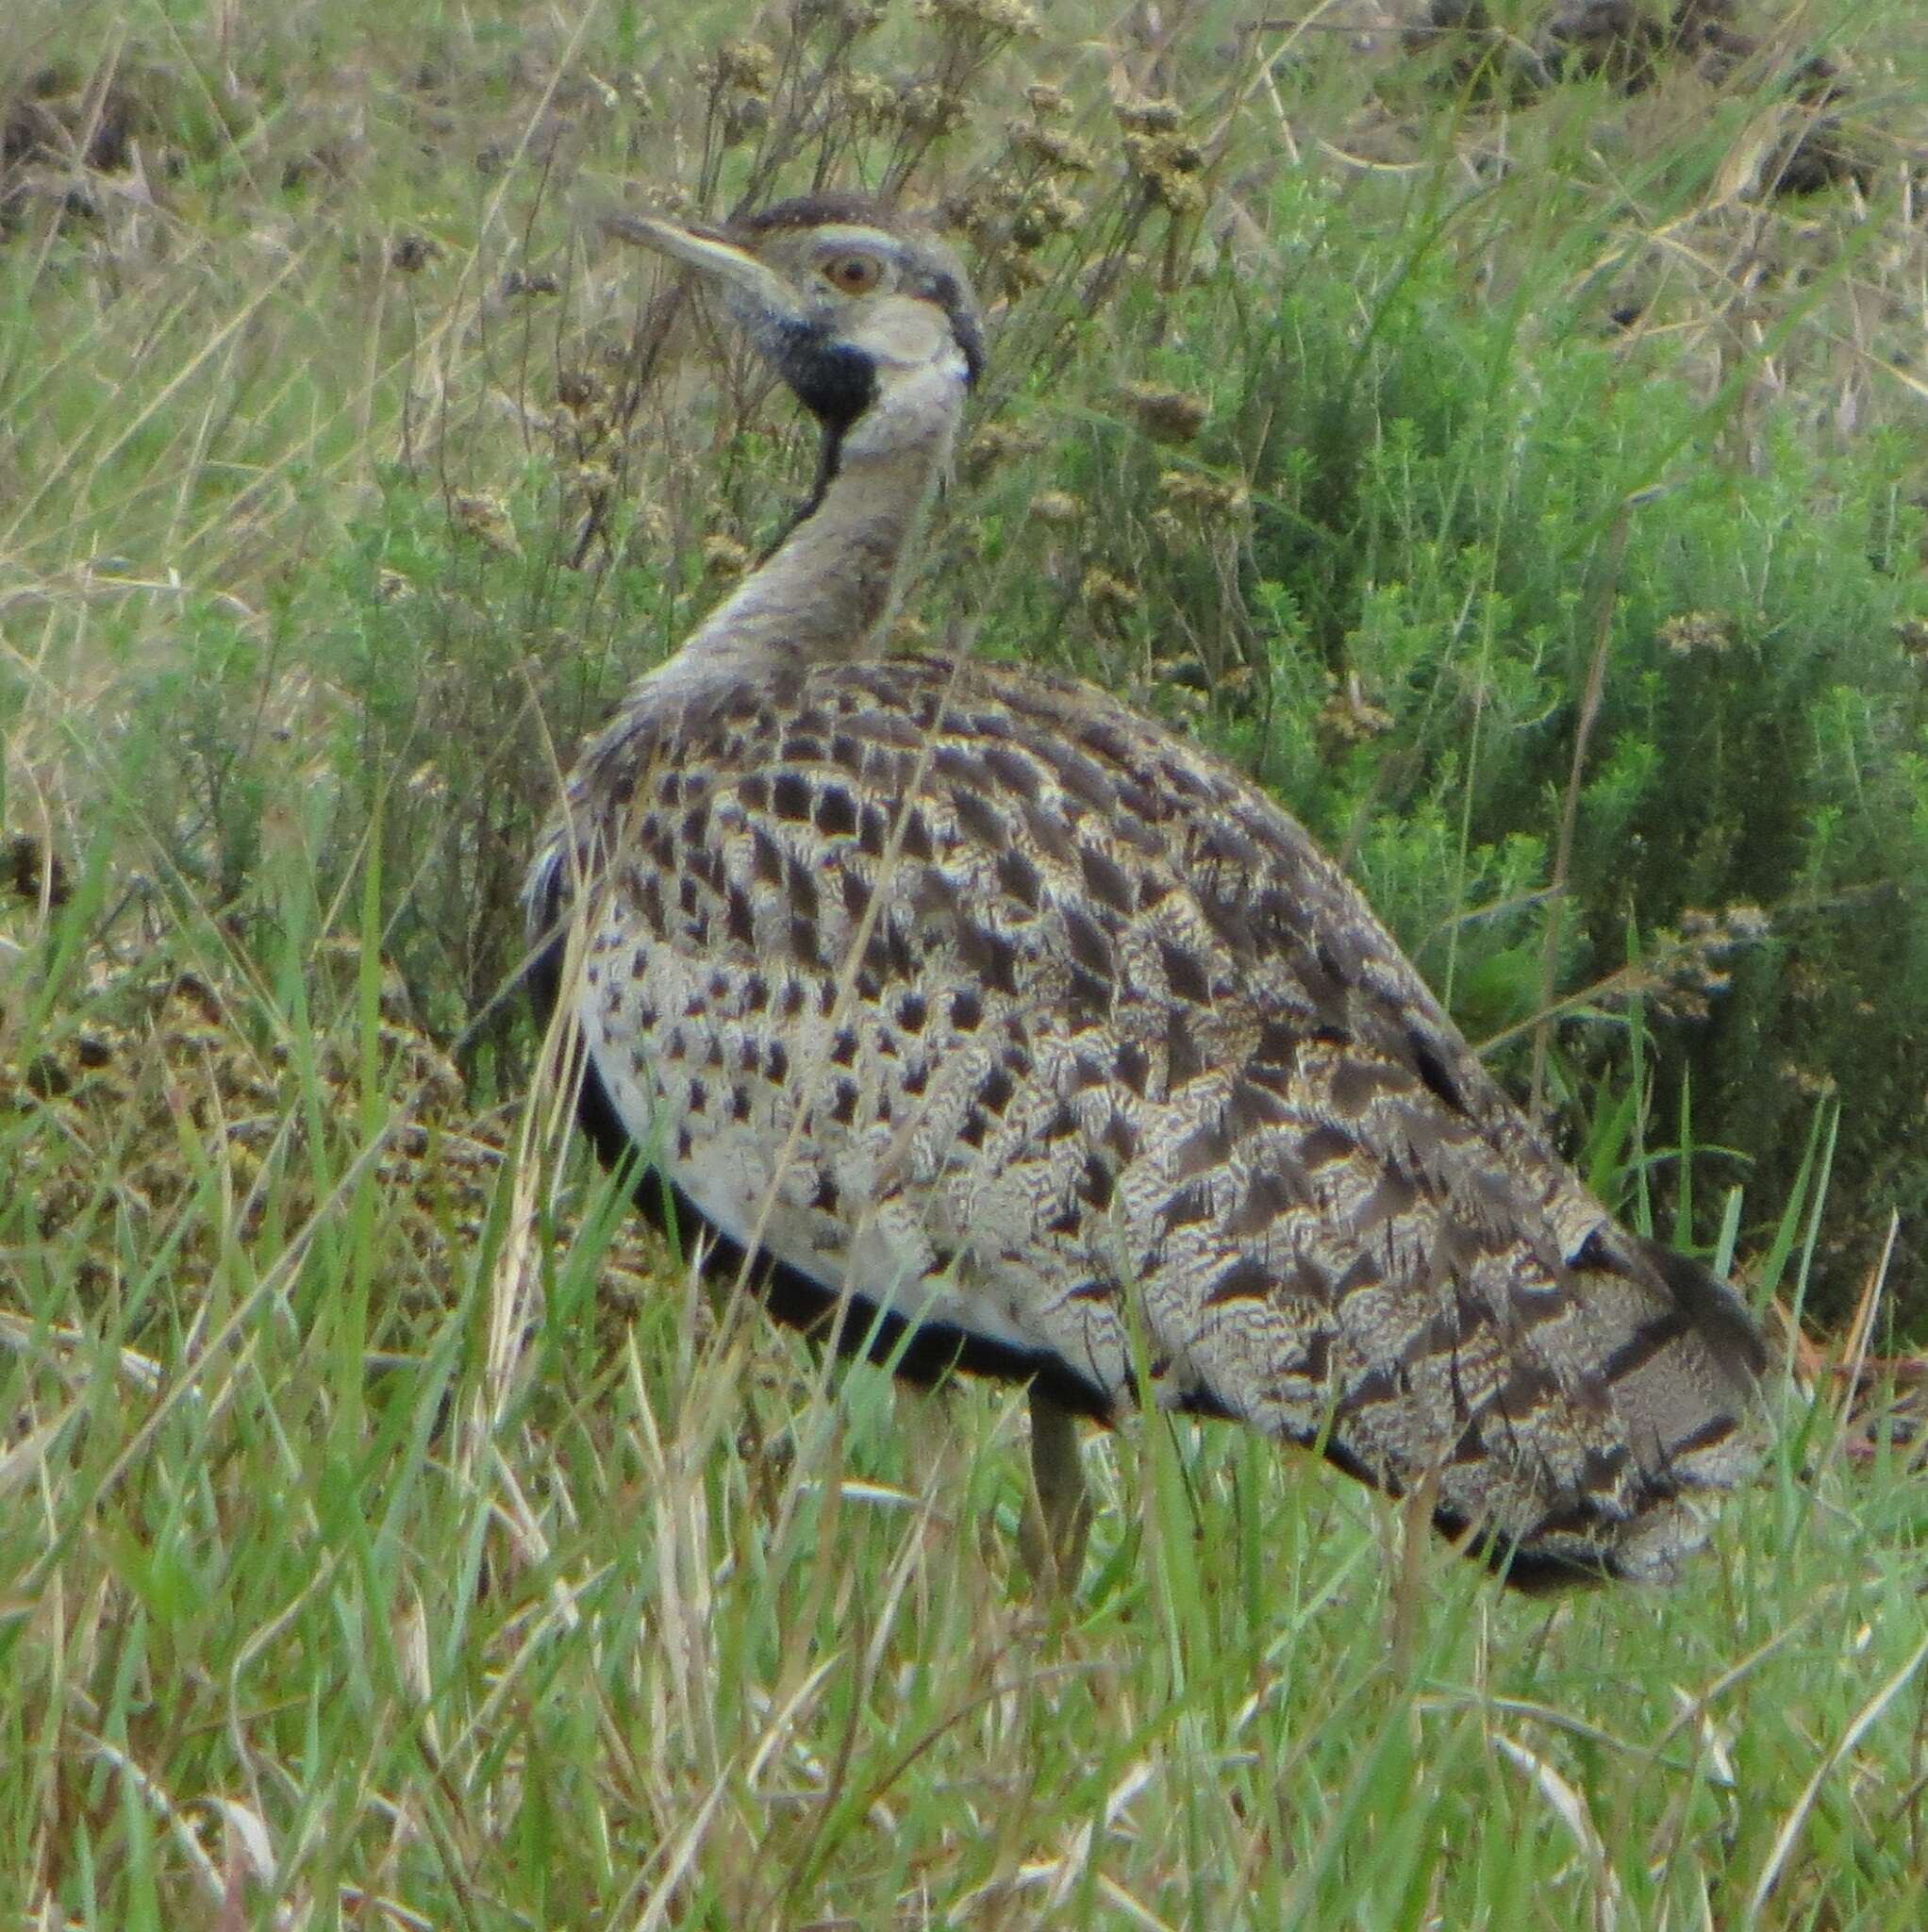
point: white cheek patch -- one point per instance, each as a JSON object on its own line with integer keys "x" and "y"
{"x": 920, "y": 376}
{"x": 903, "y": 331}
{"x": 913, "y": 406}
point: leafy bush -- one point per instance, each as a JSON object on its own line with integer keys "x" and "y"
{"x": 1462, "y": 511}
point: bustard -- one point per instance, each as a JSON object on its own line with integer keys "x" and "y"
{"x": 1012, "y": 1033}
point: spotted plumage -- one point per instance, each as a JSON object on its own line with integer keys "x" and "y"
{"x": 1045, "y": 1044}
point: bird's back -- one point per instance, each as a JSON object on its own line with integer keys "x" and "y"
{"x": 967, "y": 993}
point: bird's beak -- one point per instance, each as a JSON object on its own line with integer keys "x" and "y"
{"x": 760, "y": 290}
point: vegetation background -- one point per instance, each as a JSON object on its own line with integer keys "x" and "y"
{"x": 1497, "y": 431}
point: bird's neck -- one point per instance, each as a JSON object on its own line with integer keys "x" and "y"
{"x": 827, "y": 592}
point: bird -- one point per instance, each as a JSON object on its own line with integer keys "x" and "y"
{"x": 995, "y": 1029}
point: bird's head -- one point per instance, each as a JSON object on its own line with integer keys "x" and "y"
{"x": 862, "y": 312}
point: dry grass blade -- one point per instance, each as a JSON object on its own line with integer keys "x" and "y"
{"x": 1572, "y": 1809}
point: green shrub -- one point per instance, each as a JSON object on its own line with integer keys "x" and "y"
{"x": 1455, "y": 504}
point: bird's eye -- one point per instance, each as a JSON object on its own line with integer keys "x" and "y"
{"x": 854, "y": 274}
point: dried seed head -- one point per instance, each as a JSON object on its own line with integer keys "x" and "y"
{"x": 870, "y": 101}
{"x": 723, "y": 557}
{"x": 847, "y": 17}
{"x": 1168, "y": 165}
{"x": 593, "y": 479}
{"x": 986, "y": 17}
{"x": 651, "y": 525}
{"x": 485, "y": 519}
{"x": 1696, "y": 631}
{"x": 1018, "y": 273}
{"x": 1057, "y": 506}
{"x": 745, "y": 118}
{"x": 997, "y": 441}
{"x": 1348, "y": 717}
{"x": 1685, "y": 975}
{"x": 1165, "y": 416}
{"x": 1052, "y": 148}
{"x": 968, "y": 212}
{"x": 1809, "y": 1083}
{"x": 1177, "y": 152}
{"x": 1107, "y": 594}
{"x": 748, "y": 66}
{"x": 1061, "y": 211}
{"x": 411, "y": 253}
{"x": 1035, "y": 210}
{"x": 930, "y": 109}
{"x": 1147, "y": 116}
{"x": 1177, "y": 194}
{"x": 1208, "y": 498}
{"x": 30, "y": 870}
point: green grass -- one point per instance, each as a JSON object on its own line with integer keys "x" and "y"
{"x": 673, "y": 1633}
{"x": 368, "y": 1555}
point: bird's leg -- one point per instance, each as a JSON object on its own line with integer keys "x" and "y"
{"x": 932, "y": 1456}
{"x": 1057, "y": 1512}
